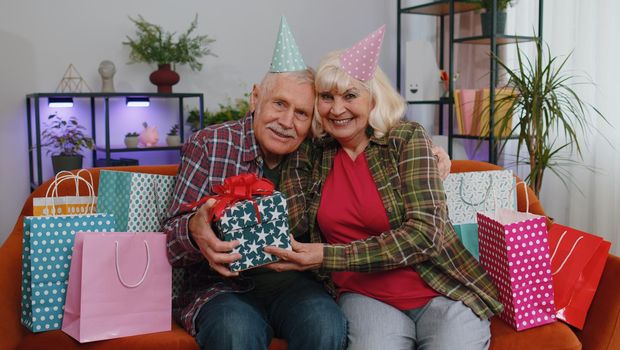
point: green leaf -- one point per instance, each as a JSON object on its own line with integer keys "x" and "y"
{"x": 545, "y": 109}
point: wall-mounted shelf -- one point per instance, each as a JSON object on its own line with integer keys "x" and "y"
{"x": 33, "y": 108}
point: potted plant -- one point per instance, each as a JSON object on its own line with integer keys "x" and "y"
{"x": 173, "y": 138}
{"x": 131, "y": 139}
{"x": 549, "y": 116}
{"x": 486, "y": 18}
{"x": 66, "y": 139}
{"x": 228, "y": 111}
{"x": 153, "y": 45}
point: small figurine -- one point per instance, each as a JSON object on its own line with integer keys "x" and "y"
{"x": 107, "y": 71}
{"x": 149, "y": 136}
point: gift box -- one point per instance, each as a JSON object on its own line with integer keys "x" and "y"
{"x": 256, "y": 223}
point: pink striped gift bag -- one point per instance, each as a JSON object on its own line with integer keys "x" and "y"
{"x": 514, "y": 249}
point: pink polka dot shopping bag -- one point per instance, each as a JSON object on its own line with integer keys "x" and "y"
{"x": 514, "y": 249}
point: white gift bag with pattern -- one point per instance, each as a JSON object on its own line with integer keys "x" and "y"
{"x": 470, "y": 192}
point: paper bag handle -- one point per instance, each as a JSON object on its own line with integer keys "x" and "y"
{"x": 527, "y": 197}
{"x": 553, "y": 273}
{"x": 67, "y": 175}
{"x": 146, "y": 269}
{"x": 486, "y": 195}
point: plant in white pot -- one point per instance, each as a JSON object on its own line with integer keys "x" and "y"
{"x": 131, "y": 139}
{"x": 173, "y": 138}
{"x": 65, "y": 139}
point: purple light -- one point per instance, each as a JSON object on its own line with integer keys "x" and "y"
{"x": 60, "y": 102}
{"x": 137, "y": 102}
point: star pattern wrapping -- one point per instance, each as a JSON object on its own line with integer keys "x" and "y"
{"x": 239, "y": 222}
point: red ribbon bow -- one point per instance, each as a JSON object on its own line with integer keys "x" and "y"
{"x": 236, "y": 189}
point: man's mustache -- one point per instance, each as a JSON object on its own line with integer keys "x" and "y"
{"x": 274, "y": 126}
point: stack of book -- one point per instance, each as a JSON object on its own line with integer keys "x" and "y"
{"x": 472, "y": 112}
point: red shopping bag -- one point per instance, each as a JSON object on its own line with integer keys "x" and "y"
{"x": 120, "y": 284}
{"x": 577, "y": 261}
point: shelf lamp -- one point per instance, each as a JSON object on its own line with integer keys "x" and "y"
{"x": 61, "y": 102}
{"x": 137, "y": 101}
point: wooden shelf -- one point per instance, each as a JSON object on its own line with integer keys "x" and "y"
{"x": 482, "y": 138}
{"x": 500, "y": 39}
{"x": 441, "y": 8}
{"x": 441, "y": 101}
{"x": 119, "y": 148}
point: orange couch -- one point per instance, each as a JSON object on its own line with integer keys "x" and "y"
{"x": 601, "y": 329}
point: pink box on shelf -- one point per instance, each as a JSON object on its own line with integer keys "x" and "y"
{"x": 514, "y": 249}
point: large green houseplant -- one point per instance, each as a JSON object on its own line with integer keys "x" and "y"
{"x": 65, "y": 139}
{"x": 153, "y": 45}
{"x": 548, "y": 117}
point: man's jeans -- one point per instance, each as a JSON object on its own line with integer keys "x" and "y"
{"x": 303, "y": 314}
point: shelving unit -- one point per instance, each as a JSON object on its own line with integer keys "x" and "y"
{"x": 34, "y": 100}
{"x": 447, "y": 10}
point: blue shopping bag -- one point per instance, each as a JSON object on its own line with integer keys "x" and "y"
{"x": 47, "y": 245}
{"x": 468, "y": 235}
{"x": 138, "y": 201}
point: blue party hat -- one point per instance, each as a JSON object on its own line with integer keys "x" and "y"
{"x": 286, "y": 56}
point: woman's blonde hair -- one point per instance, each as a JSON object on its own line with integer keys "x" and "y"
{"x": 389, "y": 106}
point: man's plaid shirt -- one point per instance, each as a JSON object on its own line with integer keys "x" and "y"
{"x": 210, "y": 156}
{"x": 421, "y": 236}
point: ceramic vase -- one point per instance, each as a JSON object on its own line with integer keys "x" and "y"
{"x": 164, "y": 77}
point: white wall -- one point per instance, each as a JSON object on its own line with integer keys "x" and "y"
{"x": 39, "y": 39}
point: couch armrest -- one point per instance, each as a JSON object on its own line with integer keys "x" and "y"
{"x": 10, "y": 289}
{"x": 602, "y": 326}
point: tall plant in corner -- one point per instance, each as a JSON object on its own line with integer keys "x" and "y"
{"x": 550, "y": 118}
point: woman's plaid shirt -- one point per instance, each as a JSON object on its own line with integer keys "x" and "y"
{"x": 406, "y": 175}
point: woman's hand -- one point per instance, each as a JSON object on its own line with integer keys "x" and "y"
{"x": 304, "y": 256}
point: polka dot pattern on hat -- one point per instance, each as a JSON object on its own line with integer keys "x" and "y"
{"x": 286, "y": 55}
{"x": 360, "y": 61}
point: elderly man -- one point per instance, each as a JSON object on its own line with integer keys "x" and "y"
{"x": 226, "y": 310}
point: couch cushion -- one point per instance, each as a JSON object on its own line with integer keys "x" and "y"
{"x": 176, "y": 339}
{"x": 554, "y": 336}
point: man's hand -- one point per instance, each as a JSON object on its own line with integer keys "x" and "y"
{"x": 304, "y": 256}
{"x": 217, "y": 252}
{"x": 443, "y": 161}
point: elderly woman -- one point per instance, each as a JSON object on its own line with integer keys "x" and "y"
{"x": 376, "y": 204}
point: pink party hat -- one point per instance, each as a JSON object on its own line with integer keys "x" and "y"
{"x": 360, "y": 61}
